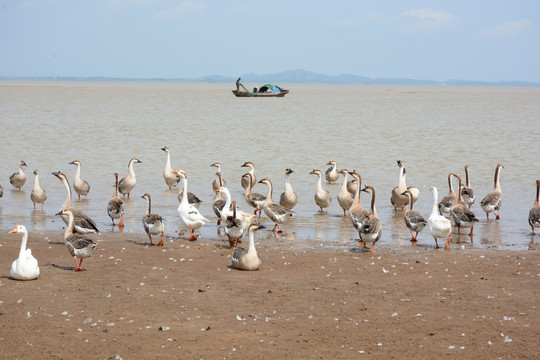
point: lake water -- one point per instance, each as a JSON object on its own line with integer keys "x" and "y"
{"x": 434, "y": 130}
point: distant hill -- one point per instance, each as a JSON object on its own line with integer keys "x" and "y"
{"x": 290, "y": 77}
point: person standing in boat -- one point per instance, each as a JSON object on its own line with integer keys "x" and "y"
{"x": 238, "y": 84}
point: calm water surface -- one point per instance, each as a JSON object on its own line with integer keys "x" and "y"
{"x": 434, "y": 130}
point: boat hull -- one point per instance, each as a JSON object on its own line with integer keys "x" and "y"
{"x": 239, "y": 93}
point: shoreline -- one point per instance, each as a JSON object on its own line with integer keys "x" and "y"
{"x": 184, "y": 301}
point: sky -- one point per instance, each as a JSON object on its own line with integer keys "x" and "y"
{"x": 480, "y": 40}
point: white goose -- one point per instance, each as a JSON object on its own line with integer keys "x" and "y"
{"x": 439, "y": 226}
{"x": 82, "y": 222}
{"x": 245, "y": 179}
{"x": 248, "y": 259}
{"x": 127, "y": 183}
{"x": 397, "y": 199}
{"x": 25, "y": 267}
{"x": 448, "y": 200}
{"x": 323, "y": 199}
{"x": 217, "y": 181}
{"x": 344, "y": 197}
{"x": 38, "y": 195}
{"x": 277, "y": 213}
{"x": 253, "y": 199}
{"x": 331, "y": 173}
{"x": 189, "y": 214}
{"x": 414, "y": 221}
{"x": 288, "y": 198}
{"x": 81, "y": 186}
{"x": 171, "y": 178}
{"x": 153, "y": 223}
{"x": 534, "y": 212}
{"x": 227, "y": 211}
{"x": 19, "y": 178}
{"x": 492, "y": 202}
{"x": 371, "y": 230}
{"x": 467, "y": 192}
{"x": 115, "y": 207}
{"x": 78, "y": 245}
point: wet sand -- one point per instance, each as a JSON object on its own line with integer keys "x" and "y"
{"x": 183, "y": 301}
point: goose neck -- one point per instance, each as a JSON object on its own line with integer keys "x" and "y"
{"x": 23, "y": 243}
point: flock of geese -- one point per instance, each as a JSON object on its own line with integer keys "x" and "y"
{"x": 452, "y": 211}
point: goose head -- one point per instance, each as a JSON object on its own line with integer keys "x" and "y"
{"x": 75, "y": 162}
{"x": 166, "y": 149}
{"x": 18, "y": 229}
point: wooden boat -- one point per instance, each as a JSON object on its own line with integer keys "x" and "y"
{"x": 266, "y": 90}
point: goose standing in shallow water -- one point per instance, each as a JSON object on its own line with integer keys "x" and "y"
{"x": 78, "y": 245}
{"x": 128, "y": 182}
{"x": 357, "y": 213}
{"x": 81, "y": 186}
{"x": 344, "y": 197}
{"x": 467, "y": 192}
{"x": 439, "y": 226}
{"x": 277, "y": 213}
{"x": 219, "y": 202}
{"x": 248, "y": 259}
{"x": 234, "y": 228}
{"x": 82, "y": 223}
{"x": 25, "y": 267}
{"x": 218, "y": 181}
{"x": 397, "y": 199}
{"x": 492, "y": 202}
{"x": 323, "y": 199}
{"x": 171, "y": 178}
{"x": 460, "y": 213}
{"x": 245, "y": 180}
{"x": 38, "y": 195}
{"x": 115, "y": 208}
{"x": 448, "y": 200}
{"x": 331, "y": 173}
{"x": 254, "y": 200}
{"x": 288, "y": 198}
{"x": 189, "y": 214}
{"x": 534, "y": 213}
{"x": 413, "y": 220}
{"x": 414, "y": 191}
{"x": 153, "y": 223}
{"x": 371, "y": 230}
{"x": 19, "y": 178}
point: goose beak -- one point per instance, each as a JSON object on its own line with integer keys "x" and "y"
{"x": 59, "y": 213}
{"x": 14, "y": 231}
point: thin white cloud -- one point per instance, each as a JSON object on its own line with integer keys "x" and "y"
{"x": 184, "y": 9}
{"x": 429, "y": 18}
{"x": 508, "y": 29}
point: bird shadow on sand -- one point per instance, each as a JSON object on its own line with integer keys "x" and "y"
{"x": 139, "y": 243}
{"x": 62, "y": 267}
{"x": 56, "y": 243}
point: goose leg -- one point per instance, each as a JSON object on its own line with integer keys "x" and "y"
{"x": 78, "y": 265}
{"x": 497, "y": 216}
{"x": 160, "y": 243}
{"x": 372, "y": 250}
{"x": 436, "y": 244}
{"x": 150, "y": 237}
{"x": 192, "y": 237}
{"x": 447, "y": 245}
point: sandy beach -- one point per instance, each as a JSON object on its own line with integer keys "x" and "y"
{"x": 183, "y": 301}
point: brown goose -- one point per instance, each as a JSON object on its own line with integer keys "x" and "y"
{"x": 323, "y": 199}
{"x": 331, "y": 173}
{"x": 288, "y": 198}
{"x": 219, "y": 201}
{"x": 492, "y": 202}
{"x": 534, "y": 213}
{"x": 460, "y": 213}
{"x": 78, "y": 245}
{"x": 217, "y": 183}
{"x": 371, "y": 230}
{"x": 115, "y": 207}
{"x": 153, "y": 223}
{"x": 38, "y": 195}
{"x": 467, "y": 192}
{"x": 19, "y": 178}
{"x": 357, "y": 213}
{"x": 245, "y": 179}
{"x": 81, "y": 186}
{"x": 254, "y": 200}
{"x": 413, "y": 220}
{"x": 127, "y": 183}
{"x": 82, "y": 223}
{"x": 448, "y": 200}
{"x": 344, "y": 197}
{"x": 277, "y": 213}
{"x": 397, "y": 199}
